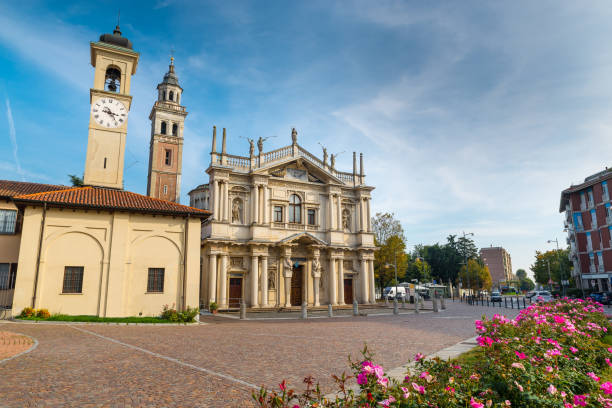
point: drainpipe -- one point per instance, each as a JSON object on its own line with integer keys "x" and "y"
{"x": 40, "y": 240}
{"x": 185, "y": 262}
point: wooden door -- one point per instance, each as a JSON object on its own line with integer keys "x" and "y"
{"x": 348, "y": 291}
{"x": 235, "y": 292}
{"x": 296, "y": 286}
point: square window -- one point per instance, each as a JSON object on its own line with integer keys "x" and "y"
{"x": 278, "y": 213}
{"x": 73, "y": 279}
{"x": 168, "y": 159}
{"x": 8, "y": 221}
{"x": 155, "y": 283}
{"x": 312, "y": 217}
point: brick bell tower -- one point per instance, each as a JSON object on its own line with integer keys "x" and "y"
{"x": 166, "y": 148}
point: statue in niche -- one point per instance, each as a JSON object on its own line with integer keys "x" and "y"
{"x": 294, "y": 135}
{"x": 346, "y": 219}
{"x": 324, "y": 154}
{"x": 271, "y": 281}
{"x": 237, "y": 211}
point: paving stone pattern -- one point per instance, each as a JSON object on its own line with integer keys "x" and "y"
{"x": 198, "y": 365}
{"x": 12, "y": 344}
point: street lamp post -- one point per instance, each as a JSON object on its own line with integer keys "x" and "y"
{"x": 550, "y": 241}
{"x": 467, "y": 268}
{"x": 395, "y": 268}
{"x": 549, "y": 278}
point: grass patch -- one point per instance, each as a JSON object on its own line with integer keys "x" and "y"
{"x": 471, "y": 357}
{"x": 96, "y": 319}
{"x": 607, "y": 339}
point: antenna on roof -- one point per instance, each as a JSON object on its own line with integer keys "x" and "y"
{"x": 117, "y": 30}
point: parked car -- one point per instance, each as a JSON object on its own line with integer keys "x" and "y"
{"x": 601, "y": 297}
{"x": 542, "y": 296}
{"x": 389, "y": 292}
{"x": 530, "y": 294}
{"x": 496, "y": 297}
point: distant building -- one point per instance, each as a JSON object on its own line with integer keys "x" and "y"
{"x": 588, "y": 221}
{"x": 499, "y": 263}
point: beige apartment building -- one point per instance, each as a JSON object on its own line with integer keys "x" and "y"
{"x": 499, "y": 263}
{"x": 98, "y": 249}
{"x": 287, "y": 228}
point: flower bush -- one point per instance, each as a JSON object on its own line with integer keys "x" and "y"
{"x": 186, "y": 316}
{"x": 550, "y": 355}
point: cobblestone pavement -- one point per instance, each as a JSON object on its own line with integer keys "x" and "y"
{"x": 216, "y": 364}
{"x": 12, "y": 344}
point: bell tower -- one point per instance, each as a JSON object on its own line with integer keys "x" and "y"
{"x": 166, "y": 148}
{"x": 114, "y": 62}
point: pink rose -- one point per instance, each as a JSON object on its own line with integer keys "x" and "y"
{"x": 475, "y": 404}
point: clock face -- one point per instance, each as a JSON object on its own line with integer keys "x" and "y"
{"x": 109, "y": 112}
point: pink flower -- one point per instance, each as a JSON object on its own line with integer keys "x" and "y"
{"x": 383, "y": 381}
{"x": 549, "y": 369}
{"x": 475, "y": 404}
{"x": 418, "y": 357}
{"x": 608, "y": 361}
{"x": 388, "y": 401}
{"x": 378, "y": 370}
{"x": 573, "y": 349}
{"x": 606, "y": 387}
{"x": 518, "y": 365}
{"x": 450, "y": 389}
{"x": 362, "y": 378}
{"x": 424, "y": 374}
{"x": 580, "y": 400}
{"x": 519, "y": 386}
{"x": 283, "y": 385}
{"x": 551, "y": 389}
{"x": 520, "y": 355}
{"x": 609, "y": 349}
{"x": 406, "y": 392}
{"x": 418, "y": 388}
{"x": 484, "y": 341}
{"x": 593, "y": 376}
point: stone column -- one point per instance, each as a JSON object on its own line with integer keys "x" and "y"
{"x": 360, "y": 210}
{"x": 254, "y": 280}
{"x": 330, "y": 213}
{"x": 339, "y": 215}
{"x": 333, "y": 293}
{"x": 264, "y": 281}
{"x": 225, "y": 199}
{"x": 223, "y": 282}
{"x": 368, "y": 219}
{"x": 316, "y": 277}
{"x": 216, "y": 199}
{"x": 212, "y": 278}
{"x": 341, "y": 281}
{"x": 288, "y": 273}
{"x": 372, "y": 285}
{"x": 256, "y": 204}
{"x": 266, "y": 208}
{"x": 363, "y": 279}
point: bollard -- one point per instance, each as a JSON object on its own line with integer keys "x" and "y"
{"x": 416, "y": 304}
{"x": 421, "y": 300}
{"x": 304, "y": 311}
{"x": 387, "y": 301}
{"x": 506, "y": 302}
{"x": 330, "y": 311}
{"x": 355, "y": 308}
{"x": 443, "y": 303}
{"x": 242, "y": 310}
{"x": 404, "y": 302}
{"x": 524, "y": 307}
{"x": 395, "y": 309}
{"x": 434, "y": 302}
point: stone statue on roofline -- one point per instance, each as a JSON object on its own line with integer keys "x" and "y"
{"x": 260, "y": 142}
{"x": 324, "y": 154}
{"x": 294, "y": 135}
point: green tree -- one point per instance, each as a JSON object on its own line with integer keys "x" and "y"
{"x": 389, "y": 237}
{"x": 521, "y": 274}
{"x": 560, "y": 266}
{"x": 526, "y": 284}
{"x": 76, "y": 180}
{"x": 479, "y": 276}
{"x": 418, "y": 269}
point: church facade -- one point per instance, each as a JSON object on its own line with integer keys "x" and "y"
{"x": 287, "y": 228}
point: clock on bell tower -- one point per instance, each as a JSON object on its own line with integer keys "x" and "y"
{"x": 114, "y": 62}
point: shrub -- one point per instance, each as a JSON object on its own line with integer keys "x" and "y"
{"x": 27, "y": 312}
{"x": 550, "y": 355}
{"x": 43, "y": 313}
{"x": 186, "y": 316}
{"x": 213, "y": 306}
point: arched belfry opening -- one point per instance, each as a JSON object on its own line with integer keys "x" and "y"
{"x": 112, "y": 79}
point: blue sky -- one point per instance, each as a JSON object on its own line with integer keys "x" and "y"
{"x": 472, "y": 116}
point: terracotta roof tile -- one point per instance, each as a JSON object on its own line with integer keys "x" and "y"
{"x": 105, "y": 198}
{"x": 9, "y": 188}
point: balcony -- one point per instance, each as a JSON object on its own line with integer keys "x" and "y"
{"x": 592, "y": 269}
{"x": 600, "y": 268}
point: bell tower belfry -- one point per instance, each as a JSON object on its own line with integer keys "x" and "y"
{"x": 114, "y": 62}
{"x": 166, "y": 148}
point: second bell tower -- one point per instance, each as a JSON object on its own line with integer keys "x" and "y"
{"x": 166, "y": 148}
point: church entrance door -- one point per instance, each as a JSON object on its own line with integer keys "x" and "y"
{"x": 235, "y": 292}
{"x": 348, "y": 291}
{"x": 296, "y": 286}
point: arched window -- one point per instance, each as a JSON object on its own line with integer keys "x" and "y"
{"x": 163, "y": 128}
{"x": 295, "y": 209}
{"x": 174, "y": 129}
{"x": 171, "y": 95}
{"x": 165, "y": 96}
{"x": 112, "y": 80}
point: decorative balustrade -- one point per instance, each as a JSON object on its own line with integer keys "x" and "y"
{"x": 345, "y": 177}
{"x": 277, "y": 154}
{"x": 169, "y": 106}
{"x": 238, "y": 161}
{"x": 305, "y": 153}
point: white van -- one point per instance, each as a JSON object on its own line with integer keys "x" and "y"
{"x": 390, "y": 293}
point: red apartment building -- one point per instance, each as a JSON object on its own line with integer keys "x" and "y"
{"x": 588, "y": 220}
